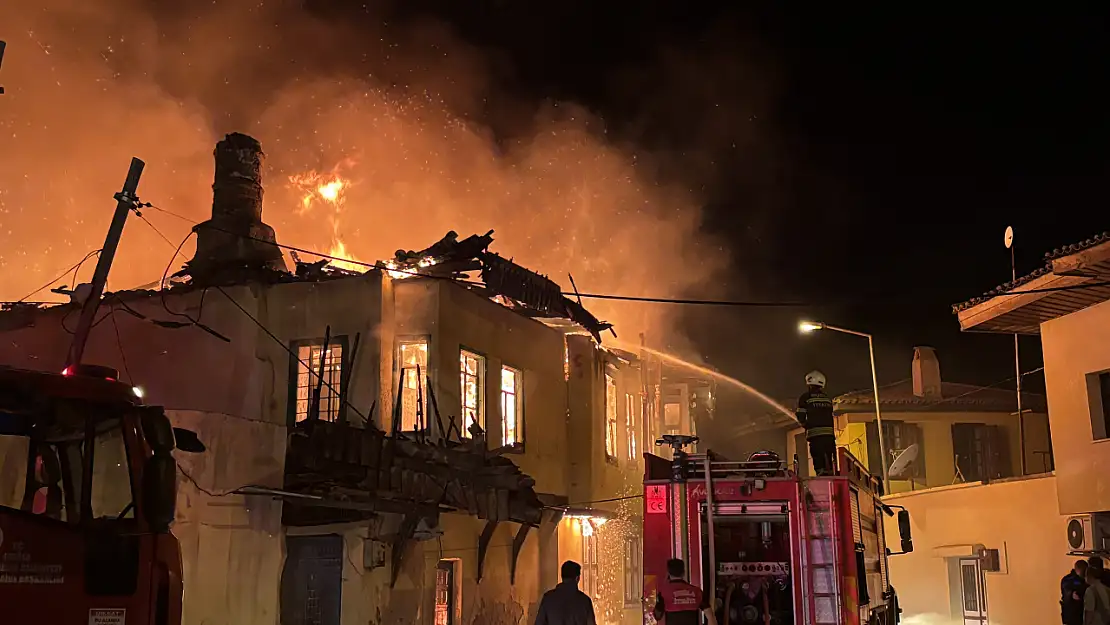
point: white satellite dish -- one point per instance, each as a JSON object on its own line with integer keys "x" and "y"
{"x": 1009, "y": 237}
{"x": 903, "y": 462}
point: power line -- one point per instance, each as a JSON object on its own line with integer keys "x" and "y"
{"x": 258, "y": 323}
{"x": 598, "y": 296}
{"x": 74, "y": 268}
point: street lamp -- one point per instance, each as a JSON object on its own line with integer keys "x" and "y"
{"x": 812, "y": 326}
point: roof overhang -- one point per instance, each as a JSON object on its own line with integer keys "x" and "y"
{"x": 1023, "y": 308}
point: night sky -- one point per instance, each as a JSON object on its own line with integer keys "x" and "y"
{"x": 865, "y": 162}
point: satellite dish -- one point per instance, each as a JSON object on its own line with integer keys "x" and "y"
{"x": 904, "y": 460}
{"x": 1009, "y": 237}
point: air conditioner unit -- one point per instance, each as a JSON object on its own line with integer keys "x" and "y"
{"x": 1089, "y": 532}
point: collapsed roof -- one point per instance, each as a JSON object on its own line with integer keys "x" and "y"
{"x": 508, "y": 283}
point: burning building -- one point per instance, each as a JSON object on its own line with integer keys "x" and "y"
{"x": 425, "y": 440}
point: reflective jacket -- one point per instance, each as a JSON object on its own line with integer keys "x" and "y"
{"x": 679, "y": 603}
{"x": 815, "y": 413}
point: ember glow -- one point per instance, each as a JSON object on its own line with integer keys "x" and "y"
{"x": 368, "y": 150}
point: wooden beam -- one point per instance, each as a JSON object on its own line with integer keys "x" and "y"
{"x": 518, "y": 544}
{"x": 400, "y": 544}
{"x": 483, "y": 545}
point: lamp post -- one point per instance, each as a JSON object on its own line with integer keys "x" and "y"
{"x": 811, "y": 326}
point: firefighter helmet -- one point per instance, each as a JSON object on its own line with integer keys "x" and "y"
{"x": 815, "y": 378}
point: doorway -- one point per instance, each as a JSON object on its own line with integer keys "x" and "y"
{"x": 445, "y": 593}
{"x": 972, "y": 592}
{"x": 312, "y": 580}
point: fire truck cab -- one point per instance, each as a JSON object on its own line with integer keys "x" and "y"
{"x": 768, "y": 546}
{"x": 87, "y": 495}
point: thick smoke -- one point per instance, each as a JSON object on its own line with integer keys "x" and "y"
{"x": 402, "y": 112}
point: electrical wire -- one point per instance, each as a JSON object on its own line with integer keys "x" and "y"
{"x": 119, "y": 344}
{"x": 980, "y": 389}
{"x": 245, "y": 312}
{"x": 74, "y": 268}
{"x": 290, "y": 351}
{"x": 383, "y": 267}
{"x": 598, "y": 296}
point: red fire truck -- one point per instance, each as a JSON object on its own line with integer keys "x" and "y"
{"x": 87, "y": 495}
{"x": 771, "y": 547}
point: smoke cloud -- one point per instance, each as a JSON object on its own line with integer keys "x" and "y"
{"x": 412, "y": 117}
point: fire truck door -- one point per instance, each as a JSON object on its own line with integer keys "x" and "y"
{"x": 972, "y": 592}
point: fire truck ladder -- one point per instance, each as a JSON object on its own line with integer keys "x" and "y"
{"x": 819, "y": 557}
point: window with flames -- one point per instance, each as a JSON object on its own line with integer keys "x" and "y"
{"x": 630, "y": 424}
{"x": 471, "y": 380}
{"x": 413, "y": 359}
{"x": 610, "y": 417}
{"x": 307, "y": 378}
{"x": 512, "y": 430}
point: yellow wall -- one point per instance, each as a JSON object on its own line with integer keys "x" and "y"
{"x": 233, "y": 546}
{"x": 937, "y": 431}
{"x": 1073, "y": 346}
{"x": 1009, "y": 516}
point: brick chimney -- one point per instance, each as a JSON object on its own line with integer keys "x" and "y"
{"x": 926, "y": 373}
{"x": 235, "y": 243}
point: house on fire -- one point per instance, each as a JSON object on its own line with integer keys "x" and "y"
{"x": 395, "y": 446}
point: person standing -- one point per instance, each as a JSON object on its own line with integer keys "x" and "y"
{"x": 1072, "y": 587}
{"x": 565, "y": 604}
{"x": 678, "y": 601}
{"x": 1096, "y": 601}
{"x": 815, "y": 413}
{"x": 1095, "y": 562}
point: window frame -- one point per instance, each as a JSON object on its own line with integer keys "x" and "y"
{"x": 294, "y": 369}
{"x": 610, "y": 425}
{"x": 633, "y": 571}
{"x": 1098, "y": 402}
{"x": 483, "y": 371}
{"x": 519, "y": 394}
{"x": 632, "y": 442}
{"x": 591, "y": 566}
{"x": 414, "y": 339}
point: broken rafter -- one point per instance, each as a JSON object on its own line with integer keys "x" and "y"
{"x": 518, "y": 544}
{"x": 483, "y": 546}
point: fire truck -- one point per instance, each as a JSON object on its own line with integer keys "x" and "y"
{"x": 768, "y": 546}
{"x": 87, "y": 494}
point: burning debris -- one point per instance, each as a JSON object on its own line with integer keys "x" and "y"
{"x": 235, "y": 246}
{"x": 502, "y": 280}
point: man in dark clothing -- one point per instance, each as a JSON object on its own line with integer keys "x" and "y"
{"x": 815, "y": 413}
{"x": 1072, "y": 588}
{"x": 678, "y": 601}
{"x": 565, "y": 604}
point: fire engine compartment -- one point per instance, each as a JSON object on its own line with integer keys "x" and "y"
{"x": 754, "y": 562}
{"x": 775, "y": 538}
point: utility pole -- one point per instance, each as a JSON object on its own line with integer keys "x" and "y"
{"x": 1009, "y": 240}
{"x": 126, "y": 201}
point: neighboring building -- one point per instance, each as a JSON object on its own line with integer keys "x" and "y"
{"x": 962, "y": 433}
{"x": 1029, "y": 530}
{"x": 468, "y": 439}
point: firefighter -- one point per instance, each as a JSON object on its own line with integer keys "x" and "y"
{"x": 678, "y": 602}
{"x": 815, "y": 413}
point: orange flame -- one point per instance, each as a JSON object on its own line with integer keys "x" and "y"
{"x": 327, "y": 190}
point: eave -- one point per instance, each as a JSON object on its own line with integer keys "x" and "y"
{"x": 1046, "y": 295}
